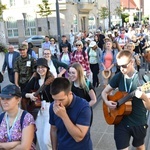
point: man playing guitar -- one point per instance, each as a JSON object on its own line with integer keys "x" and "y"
{"x": 133, "y": 124}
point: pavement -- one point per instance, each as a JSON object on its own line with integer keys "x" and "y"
{"x": 102, "y": 133}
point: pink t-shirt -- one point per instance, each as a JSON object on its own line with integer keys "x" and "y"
{"x": 16, "y": 134}
{"x": 108, "y": 58}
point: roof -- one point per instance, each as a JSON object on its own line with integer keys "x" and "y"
{"x": 130, "y": 4}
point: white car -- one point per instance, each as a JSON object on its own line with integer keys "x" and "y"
{"x": 36, "y": 40}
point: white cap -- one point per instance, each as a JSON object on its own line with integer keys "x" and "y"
{"x": 92, "y": 44}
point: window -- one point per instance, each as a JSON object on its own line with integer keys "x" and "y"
{"x": 12, "y": 28}
{"x": 12, "y": 2}
{"x": 75, "y": 23}
{"x": 26, "y": 2}
{"x": 92, "y": 23}
{"x": 30, "y": 26}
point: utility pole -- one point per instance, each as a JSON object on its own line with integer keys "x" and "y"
{"x": 58, "y": 21}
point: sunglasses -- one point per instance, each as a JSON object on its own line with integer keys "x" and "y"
{"x": 21, "y": 49}
{"x": 124, "y": 66}
{"x": 78, "y": 45}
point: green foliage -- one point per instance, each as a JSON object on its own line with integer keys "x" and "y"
{"x": 136, "y": 18}
{"x": 44, "y": 9}
{"x": 119, "y": 10}
{"x": 2, "y": 8}
{"x": 145, "y": 19}
{"x": 125, "y": 17}
{"x": 3, "y": 48}
{"x": 104, "y": 12}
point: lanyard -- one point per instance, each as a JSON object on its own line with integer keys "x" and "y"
{"x": 9, "y": 130}
{"x": 125, "y": 83}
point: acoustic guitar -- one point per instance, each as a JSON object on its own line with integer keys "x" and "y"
{"x": 29, "y": 105}
{"x": 124, "y": 105}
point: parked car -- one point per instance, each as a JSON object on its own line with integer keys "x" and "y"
{"x": 36, "y": 40}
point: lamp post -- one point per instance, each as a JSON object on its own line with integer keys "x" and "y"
{"x": 109, "y": 14}
{"x": 58, "y": 21}
{"x": 25, "y": 18}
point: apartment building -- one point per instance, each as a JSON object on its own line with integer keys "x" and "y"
{"x": 22, "y": 20}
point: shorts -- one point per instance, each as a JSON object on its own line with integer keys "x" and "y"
{"x": 122, "y": 135}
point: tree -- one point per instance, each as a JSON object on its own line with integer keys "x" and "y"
{"x": 119, "y": 10}
{"x": 125, "y": 17}
{"x": 2, "y": 8}
{"x": 45, "y": 12}
{"x": 104, "y": 13}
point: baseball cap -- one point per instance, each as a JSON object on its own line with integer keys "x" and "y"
{"x": 10, "y": 91}
{"x": 92, "y": 44}
{"x": 22, "y": 46}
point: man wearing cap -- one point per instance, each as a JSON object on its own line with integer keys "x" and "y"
{"x": 64, "y": 41}
{"x": 23, "y": 67}
{"x": 9, "y": 61}
{"x": 30, "y": 50}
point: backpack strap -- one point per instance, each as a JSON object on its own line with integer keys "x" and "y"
{"x": 22, "y": 118}
{"x": 1, "y": 117}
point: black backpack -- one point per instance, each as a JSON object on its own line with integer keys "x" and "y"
{"x": 21, "y": 120}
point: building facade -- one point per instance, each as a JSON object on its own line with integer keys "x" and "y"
{"x": 22, "y": 20}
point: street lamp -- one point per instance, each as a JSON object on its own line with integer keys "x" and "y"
{"x": 109, "y": 14}
{"x": 25, "y": 18}
{"x": 58, "y": 22}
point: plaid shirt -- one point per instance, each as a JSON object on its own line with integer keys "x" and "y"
{"x": 78, "y": 57}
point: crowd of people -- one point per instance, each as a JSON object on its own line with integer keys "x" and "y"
{"x": 51, "y": 98}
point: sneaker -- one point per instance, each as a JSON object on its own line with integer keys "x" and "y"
{"x": 145, "y": 72}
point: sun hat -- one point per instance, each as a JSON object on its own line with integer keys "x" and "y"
{"x": 42, "y": 62}
{"x": 92, "y": 44}
{"x": 10, "y": 91}
{"x": 106, "y": 74}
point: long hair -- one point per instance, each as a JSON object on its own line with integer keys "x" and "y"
{"x": 80, "y": 73}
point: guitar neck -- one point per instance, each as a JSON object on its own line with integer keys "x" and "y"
{"x": 125, "y": 99}
{"x": 39, "y": 90}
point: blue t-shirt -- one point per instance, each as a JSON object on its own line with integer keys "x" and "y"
{"x": 79, "y": 112}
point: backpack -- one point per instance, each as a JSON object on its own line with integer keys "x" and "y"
{"x": 21, "y": 120}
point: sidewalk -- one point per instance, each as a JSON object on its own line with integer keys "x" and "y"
{"x": 102, "y": 133}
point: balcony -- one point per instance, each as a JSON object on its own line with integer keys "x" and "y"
{"x": 85, "y": 6}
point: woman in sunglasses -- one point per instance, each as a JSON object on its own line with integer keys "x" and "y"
{"x": 81, "y": 56}
{"x": 134, "y": 123}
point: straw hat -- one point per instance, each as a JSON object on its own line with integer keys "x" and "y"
{"x": 106, "y": 73}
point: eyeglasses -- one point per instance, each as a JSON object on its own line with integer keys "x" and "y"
{"x": 46, "y": 53}
{"x": 124, "y": 66}
{"x": 78, "y": 45}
